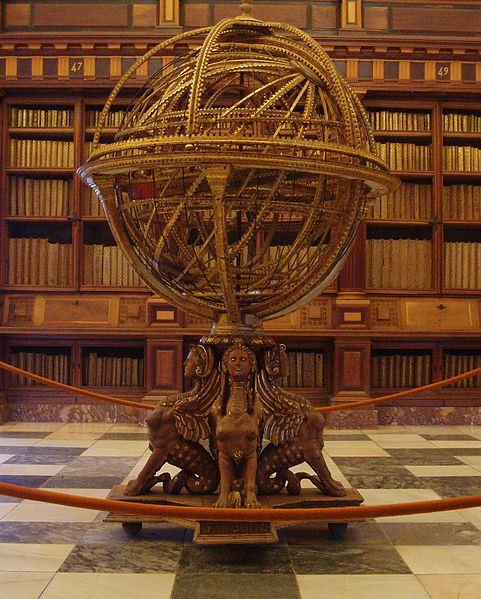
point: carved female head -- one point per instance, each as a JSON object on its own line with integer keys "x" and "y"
{"x": 239, "y": 362}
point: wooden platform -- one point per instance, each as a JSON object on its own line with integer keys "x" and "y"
{"x": 216, "y": 533}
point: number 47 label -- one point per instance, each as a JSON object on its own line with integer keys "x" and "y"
{"x": 76, "y": 67}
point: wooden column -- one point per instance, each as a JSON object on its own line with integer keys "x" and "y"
{"x": 352, "y": 307}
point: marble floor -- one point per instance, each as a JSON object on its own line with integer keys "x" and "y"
{"x": 55, "y": 552}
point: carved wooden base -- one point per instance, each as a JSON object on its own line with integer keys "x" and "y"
{"x": 221, "y": 533}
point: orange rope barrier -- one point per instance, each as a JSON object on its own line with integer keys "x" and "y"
{"x": 344, "y": 406}
{"x": 342, "y": 514}
{"x": 71, "y": 389}
{"x": 408, "y": 392}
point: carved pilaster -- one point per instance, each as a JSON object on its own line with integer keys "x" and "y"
{"x": 351, "y": 14}
{"x": 169, "y": 13}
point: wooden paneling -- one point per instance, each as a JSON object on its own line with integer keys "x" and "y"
{"x": 164, "y": 365}
{"x": 436, "y": 19}
{"x": 53, "y": 311}
{"x": 164, "y": 368}
{"x": 144, "y": 15}
{"x": 196, "y": 15}
{"x": 376, "y": 18}
{"x": 17, "y": 15}
{"x": 352, "y": 371}
{"x": 325, "y": 17}
{"x": 57, "y": 15}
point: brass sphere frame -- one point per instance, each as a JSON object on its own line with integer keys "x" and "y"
{"x": 213, "y": 141}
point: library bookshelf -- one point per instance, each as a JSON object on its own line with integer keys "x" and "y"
{"x": 405, "y": 310}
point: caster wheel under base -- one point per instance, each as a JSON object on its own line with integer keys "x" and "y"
{"x": 132, "y": 528}
{"x": 337, "y": 530}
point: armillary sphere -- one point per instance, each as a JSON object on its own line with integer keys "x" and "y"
{"x": 240, "y": 173}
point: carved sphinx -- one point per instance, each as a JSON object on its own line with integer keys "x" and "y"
{"x": 236, "y": 402}
{"x": 174, "y": 429}
{"x": 237, "y": 415}
{"x": 295, "y": 432}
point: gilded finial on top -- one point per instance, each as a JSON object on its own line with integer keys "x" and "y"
{"x": 246, "y": 9}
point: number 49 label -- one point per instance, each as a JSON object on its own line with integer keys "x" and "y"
{"x": 443, "y": 70}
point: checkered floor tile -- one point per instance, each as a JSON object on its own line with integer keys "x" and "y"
{"x": 52, "y": 552}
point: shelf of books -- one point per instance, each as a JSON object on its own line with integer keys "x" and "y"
{"x": 39, "y": 255}
{"x": 399, "y": 259}
{"x": 461, "y": 199}
{"x": 45, "y": 203}
{"x": 53, "y": 362}
{"x": 400, "y": 238}
{"x": 459, "y": 360}
{"x": 38, "y": 191}
{"x": 104, "y": 366}
{"x": 306, "y": 369}
{"x": 104, "y": 265}
{"x": 400, "y": 368}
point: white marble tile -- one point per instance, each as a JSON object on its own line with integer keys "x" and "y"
{"x": 476, "y": 523}
{"x": 354, "y": 449}
{"x": 360, "y": 586}
{"x": 38, "y": 427}
{"x": 32, "y": 557}
{"x": 105, "y": 586}
{"x": 23, "y": 585}
{"x": 388, "y": 429}
{"x": 5, "y": 456}
{"x": 35, "y": 511}
{"x": 72, "y": 436}
{"x": 388, "y": 496}
{"x": 16, "y": 442}
{"x": 400, "y": 441}
{"x": 452, "y": 586}
{"x": 116, "y": 448}
{"x": 6, "y": 507}
{"x": 430, "y": 429}
{"x": 76, "y": 443}
{"x": 128, "y": 428}
{"x": 444, "y": 471}
{"x": 342, "y": 431}
{"x": 446, "y": 559}
{"x": 6, "y": 427}
{"x": 471, "y": 460}
{"x": 86, "y": 427}
{"x": 30, "y": 469}
{"x": 457, "y": 444}
{"x": 473, "y": 515}
{"x": 474, "y": 431}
